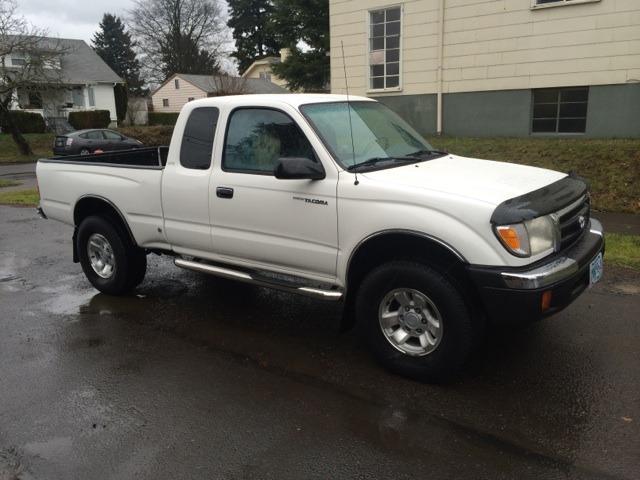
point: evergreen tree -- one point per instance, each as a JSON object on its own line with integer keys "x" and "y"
{"x": 122, "y": 101}
{"x": 249, "y": 20}
{"x": 114, "y": 45}
{"x": 306, "y": 21}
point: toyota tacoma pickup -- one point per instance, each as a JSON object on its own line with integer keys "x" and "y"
{"x": 339, "y": 199}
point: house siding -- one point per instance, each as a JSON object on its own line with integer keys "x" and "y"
{"x": 257, "y": 68}
{"x": 104, "y": 99}
{"x": 498, "y": 46}
{"x": 177, "y": 97}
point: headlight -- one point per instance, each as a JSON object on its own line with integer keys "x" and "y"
{"x": 530, "y": 237}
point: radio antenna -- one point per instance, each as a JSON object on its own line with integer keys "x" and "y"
{"x": 346, "y": 85}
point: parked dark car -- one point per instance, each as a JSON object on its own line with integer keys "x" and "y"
{"x": 88, "y": 141}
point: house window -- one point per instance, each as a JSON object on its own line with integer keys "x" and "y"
{"x": 560, "y": 110}
{"x": 384, "y": 49}
{"x": 165, "y": 102}
{"x": 92, "y": 98}
{"x": 265, "y": 75}
{"x": 35, "y": 100}
{"x": 17, "y": 61}
{"x": 190, "y": 99}
{"x": 78, "y": 97}
{"x": 558, "y": 3}
{"x": 176, "y": 82}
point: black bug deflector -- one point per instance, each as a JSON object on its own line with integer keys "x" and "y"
{"x": 540, "y": 202}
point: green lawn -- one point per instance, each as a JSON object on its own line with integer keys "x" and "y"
{"x": 41, "y": 144}
{"x": 27, "y": 197}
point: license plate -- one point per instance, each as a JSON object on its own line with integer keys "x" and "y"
{"x": 595, "y": 269}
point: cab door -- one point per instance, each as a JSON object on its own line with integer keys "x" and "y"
{"x": 185, "y": 185}
{"x": 257, "y": 219}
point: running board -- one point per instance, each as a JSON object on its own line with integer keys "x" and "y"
{"x": 277, "y": 284}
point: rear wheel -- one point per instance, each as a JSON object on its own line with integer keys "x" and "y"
{"x": 85, "y": 151}
{"x": 415, "y": 321}
{"x": 109, "y": 260}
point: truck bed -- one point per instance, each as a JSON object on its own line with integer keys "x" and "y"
{"x": 139, "y": 157}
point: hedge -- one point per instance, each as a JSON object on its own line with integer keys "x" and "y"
{"x": 90, "y": 119}
{"x": 163, "y": 118}
{"x": 27, "y": 122}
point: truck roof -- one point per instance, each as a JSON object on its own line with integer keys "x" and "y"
{"x": 293, "y": 99}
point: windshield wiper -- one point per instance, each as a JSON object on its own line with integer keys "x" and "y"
{"x": 421, "y": 153}
{"x": 376, "y": 160}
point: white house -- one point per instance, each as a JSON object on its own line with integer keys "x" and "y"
{"x": 494, "y": 67}
{"x": 87, "y": 84}
{"x": 262, "y": 68}
{"x": 181, "y": 88}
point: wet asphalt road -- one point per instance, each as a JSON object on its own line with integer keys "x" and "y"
{"x": 195, "y": 377}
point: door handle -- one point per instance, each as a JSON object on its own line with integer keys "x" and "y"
{"x": 224, "y": 192}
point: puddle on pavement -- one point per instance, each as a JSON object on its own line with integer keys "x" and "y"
{"x": 10, "y": 265}
{"x": 68, "y": 303}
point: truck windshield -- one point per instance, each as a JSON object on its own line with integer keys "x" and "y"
{"x": 380, "y": 137}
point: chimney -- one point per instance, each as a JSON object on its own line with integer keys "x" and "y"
{"x": 284, "y": 54}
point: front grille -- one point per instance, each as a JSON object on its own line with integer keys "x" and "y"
{"x": 572, "y": 221}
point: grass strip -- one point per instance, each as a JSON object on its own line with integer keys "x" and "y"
{"x": 28, "y": 197}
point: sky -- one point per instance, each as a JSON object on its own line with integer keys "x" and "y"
{"x": 77, "y": 19}
{"x": 80, "y": 19}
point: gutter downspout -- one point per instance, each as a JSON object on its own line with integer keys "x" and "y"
{"x": 440, "y": 61}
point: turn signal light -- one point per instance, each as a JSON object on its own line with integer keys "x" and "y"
{"x": 510, "y": 237}
{"x": 546, "y": 300}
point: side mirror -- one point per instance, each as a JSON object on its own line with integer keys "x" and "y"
{"x": 298, "y": 168}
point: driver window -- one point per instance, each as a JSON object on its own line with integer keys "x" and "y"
{"x": 112, "y": 135}
{"x": 95, "y": 135}
{"x": 257, "y": 137}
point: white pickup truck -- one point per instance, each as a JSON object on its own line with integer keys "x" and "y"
{"x": 339, "y": 199}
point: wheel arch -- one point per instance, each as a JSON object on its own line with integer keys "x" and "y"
{"x": 95, "y": 205}
{"x": 406, "y": 245}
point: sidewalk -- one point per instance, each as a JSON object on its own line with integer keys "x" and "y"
{"x": 624, "y": 223}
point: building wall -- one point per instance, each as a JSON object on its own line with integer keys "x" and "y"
{"x": 494, "y": 52}
{"x": 495, "y": 44}
{"x": 105, "y": 99}
{"x": 177, "y": 97}
{"x": 259, "y": 67}
{"x": 614, "y": 111}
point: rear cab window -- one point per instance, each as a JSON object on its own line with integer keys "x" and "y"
{"x": 197, "y": 140}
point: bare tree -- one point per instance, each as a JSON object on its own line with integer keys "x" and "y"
{"x": 222, "y": 84}
{"x": 29, "y": 63}
{"x": 178, "y": 36}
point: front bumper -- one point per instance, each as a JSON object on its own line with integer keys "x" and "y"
{"x": 515, "y": 295}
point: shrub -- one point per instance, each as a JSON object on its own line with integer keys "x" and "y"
{"x": 163, "y": 118}
{"x": 90, "y": 119}
{"x": 27, "y": 122}
{"x": 149, "y": 136}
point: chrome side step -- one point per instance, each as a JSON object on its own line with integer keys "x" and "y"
{"x": 277, "y": 284}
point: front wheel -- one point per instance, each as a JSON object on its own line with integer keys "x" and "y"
{"x": 415, "y": 321}
{"x": 109, "y": 260}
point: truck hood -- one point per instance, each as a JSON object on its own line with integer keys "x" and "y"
{"x": 484, "y": 180}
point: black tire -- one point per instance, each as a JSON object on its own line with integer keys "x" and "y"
{"x": 415, "y": 321}
{"x": 85, "y": 151}
{"x": 109, "y": 259}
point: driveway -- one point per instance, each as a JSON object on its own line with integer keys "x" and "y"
{"x": 195, "y": 377}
